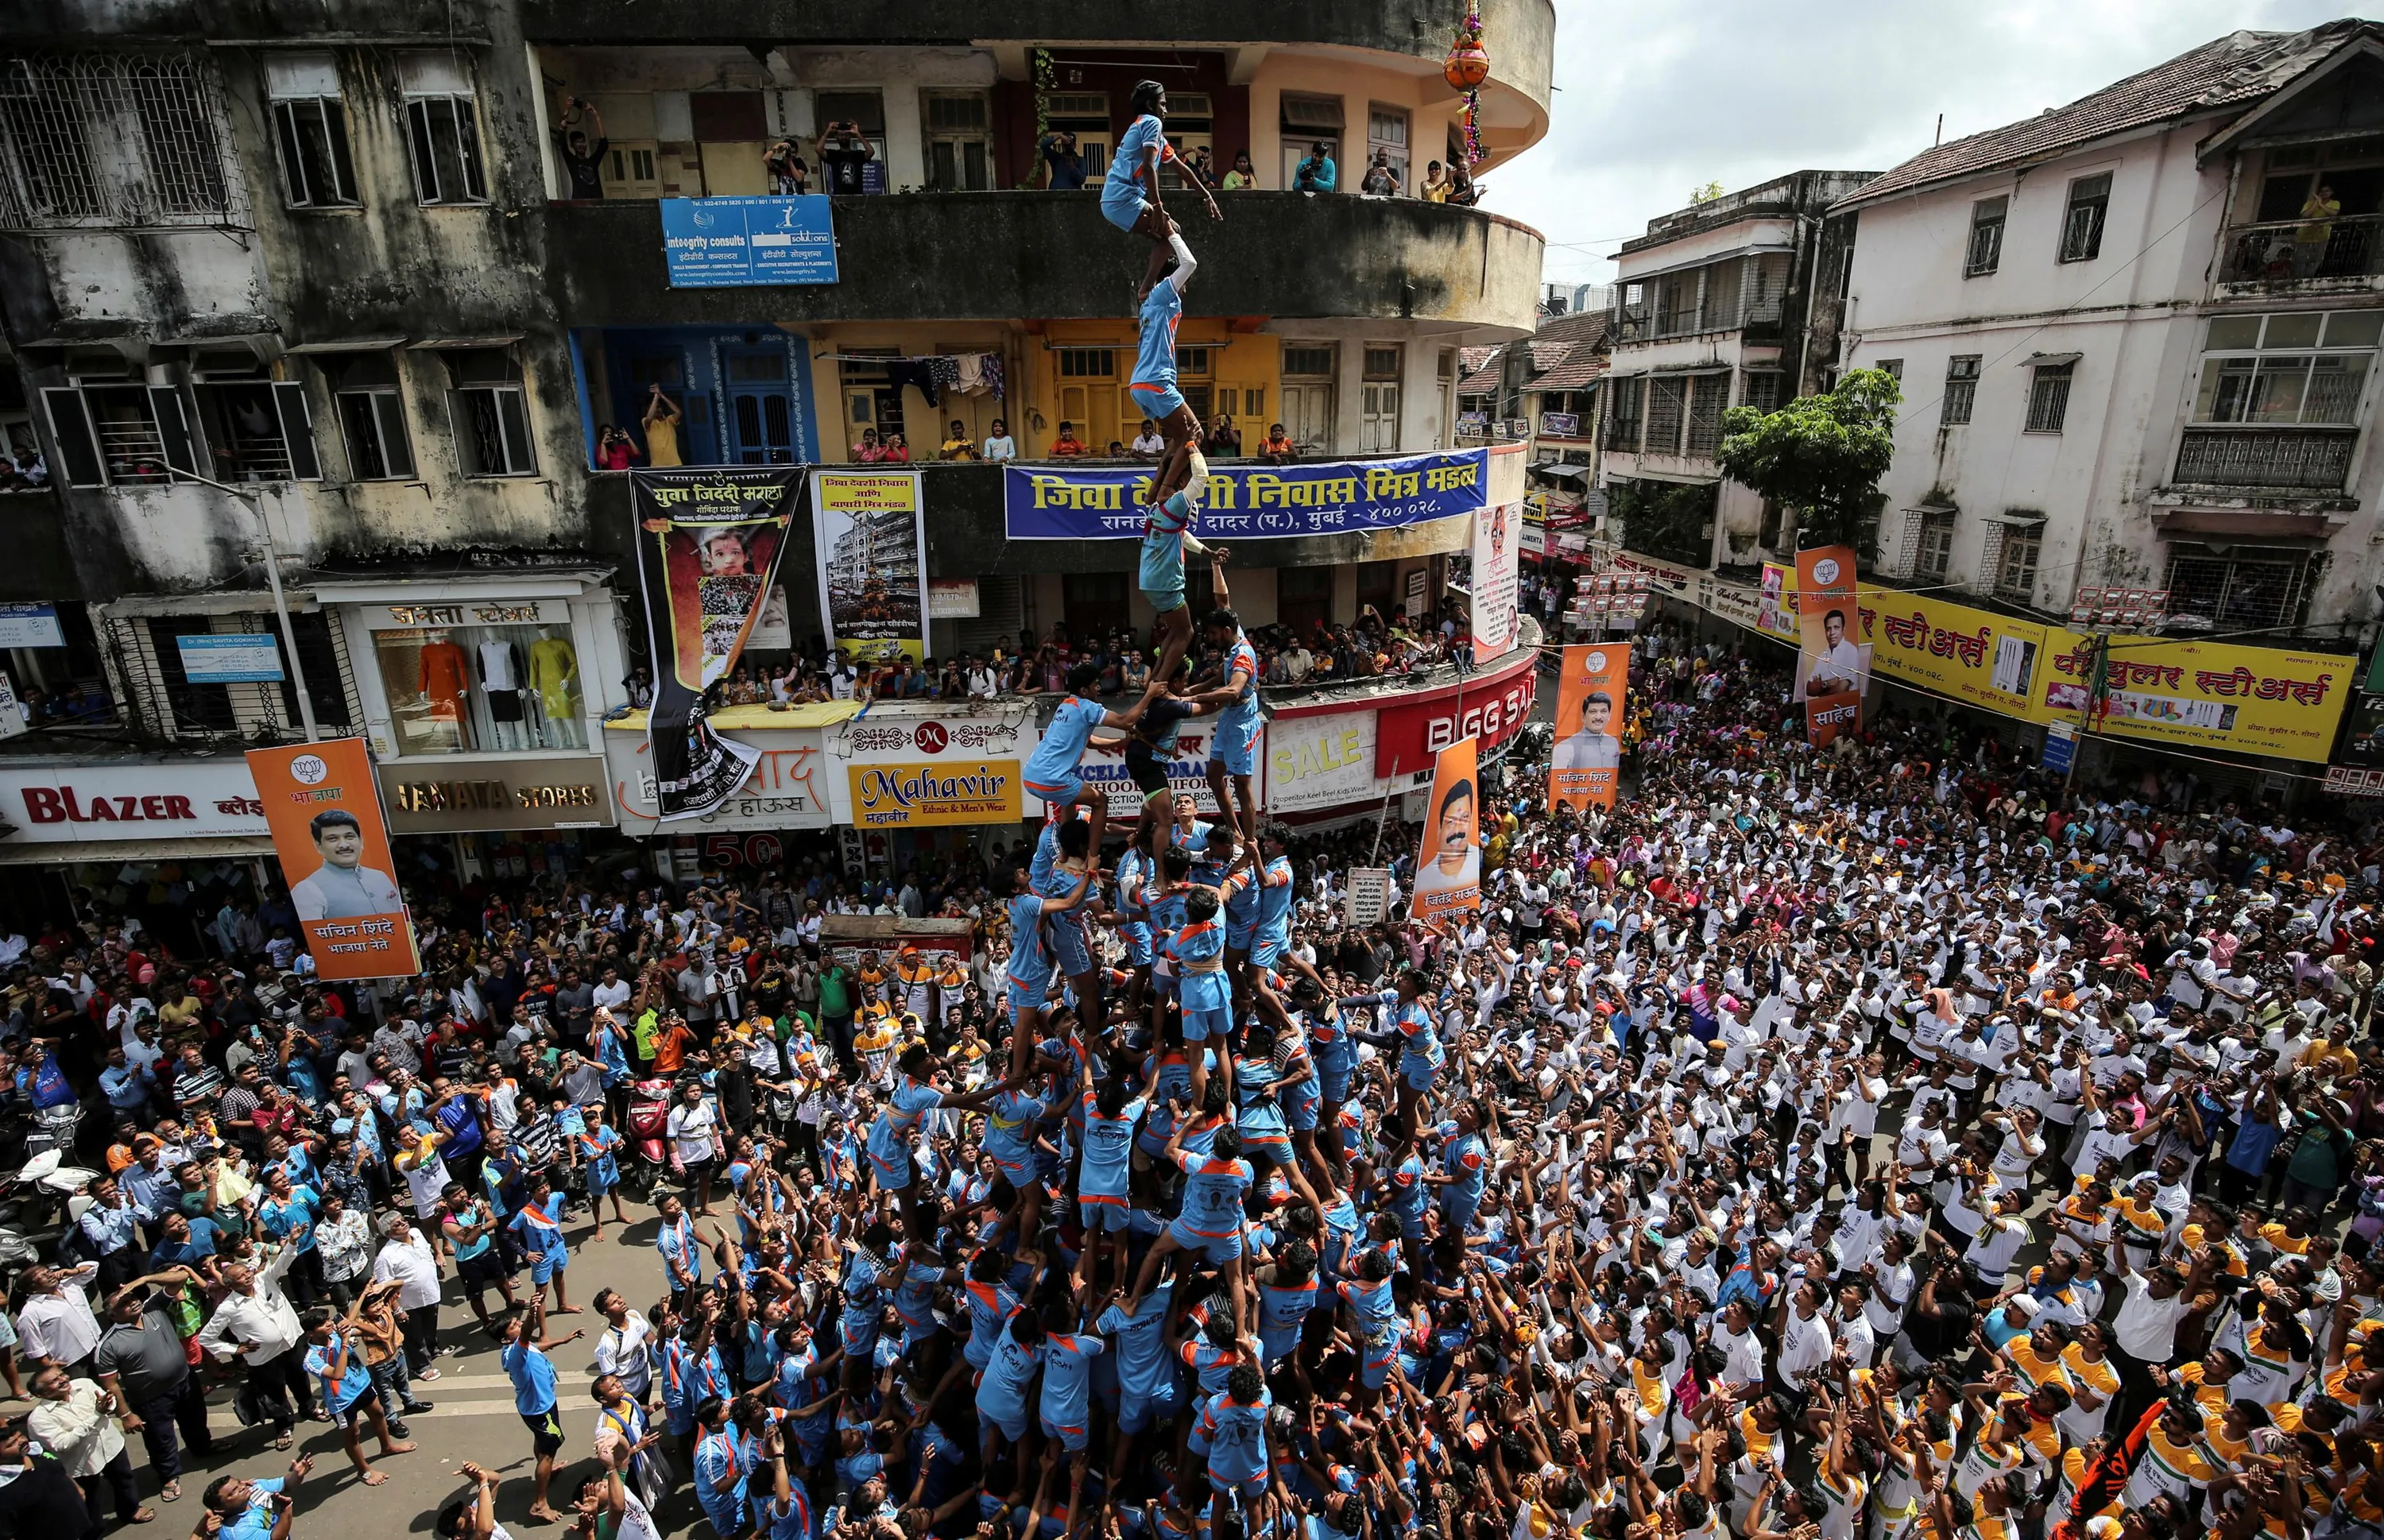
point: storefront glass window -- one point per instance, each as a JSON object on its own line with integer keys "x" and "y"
{"x": 458, "y": 689}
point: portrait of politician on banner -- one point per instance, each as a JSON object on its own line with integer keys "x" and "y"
{"x": 709, "y": 544}
{"x": 1588, "y": 756}
{"x": 873, "y": 563}
{"x": 1448, "y": 863}
{"x": 1832, "y": 665}
{"x": 323, "y": 807}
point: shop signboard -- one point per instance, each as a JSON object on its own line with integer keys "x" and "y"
{"x": 1250, "y": 500}
{"x": 952, "y": 599}
{"x": 921, "y": 794}
{"x": 333, "y": 845}
{"x": 1561, "y": 425}
{"x": 871, "y": 536}
{"x": 2270, "y": 700}
{"x": 1419, "y": 580}
{"x": 1188, "y": 774}
{"x": 709, "y": 544}
{"x": 31, "y": 626}
{"x": 554, "y": 791}
{"x": 787, "y": 788}
{"x": 231, "y": 658}
{"x": 2353, "y": 780}
{"x": 731, "y": 242}
{"x": 1369, "y": 895}
{"x": 1972, "y": 655}
{"x": 906, "y": 766}
{"x": 63, "y": 804}
{"x": 1490, "y": 707}
{"x": 1320, "y": 762}
{"x": 12, "y": 710}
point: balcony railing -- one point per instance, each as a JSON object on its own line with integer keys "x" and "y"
{"x": 2294, "y": 459}
{"x": 2298, "y": 251}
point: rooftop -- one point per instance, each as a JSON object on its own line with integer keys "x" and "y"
{"x": 2224, "y": 73}
{"x": 1808, "y": 191}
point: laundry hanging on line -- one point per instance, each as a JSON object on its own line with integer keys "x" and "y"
{"x": 934, "y": 375}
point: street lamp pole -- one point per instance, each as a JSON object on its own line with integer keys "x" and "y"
{"x": 281, "y": 605}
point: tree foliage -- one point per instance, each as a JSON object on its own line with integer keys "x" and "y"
{"x": 1821, "y": 455}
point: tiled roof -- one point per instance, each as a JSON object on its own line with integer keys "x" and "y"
{"x": 1583, "y": 326}
{"x": 1576, "y": 373}
{"x": 1481, "y": 382}
{"x": 1547, "y": 355}
{"x": 2240, "y": 67}
{"x": 1475, "y": 358}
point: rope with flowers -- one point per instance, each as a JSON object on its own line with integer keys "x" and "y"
{"x": 1467, "y": 66}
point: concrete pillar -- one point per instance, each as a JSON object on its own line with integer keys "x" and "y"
{"x": 906, "y": 151}
{"x": 1349, "y": 393}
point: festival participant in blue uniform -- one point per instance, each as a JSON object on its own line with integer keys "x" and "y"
{"x": 1051, "y": 771}
{"x": 1413, "y": 1033}
{"x": 540, "y": 1227}
{"x": 1064, "y": 853}
{"x": 1066, "y": 1407}
{"x": 523, "y": 1357}
{"x": 1103, "y": 1177}
{"x": 682, "y": 1251}
{"x": 1130, "y": 192}
{"x": 1001, "y": 1389}
{"x": 1198, "y": 951}
{"x": 1232, "y": 1433}
{"x": 1233, "y": 750}
{"x": 600, "y": 1157}
{"x": 1210, "y": 1222}
{"x": 866, "y": 1267}
{"x": 897, "y": 1125}
{"x": 336, "y": 1358}
{"x": 1149, "y": 1390}
{"x": 1465, "y": 1167}
{"x": 1367, "y": 1294}
{"x": 1031, "y": 961}
{"x": 1287, "y": 1288}
{"x": 724, "y": 1459}
{"x": 1271, "y": 948}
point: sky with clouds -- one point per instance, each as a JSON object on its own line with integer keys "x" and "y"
{"x": 1656, "y": 101}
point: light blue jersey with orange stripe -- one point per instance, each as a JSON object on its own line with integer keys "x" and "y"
{"x": 1213, "y": 1194}
{"x": 1244, "y": 712}
{"x": 1055, "y": 758}
{"x": 1154, "y": 359}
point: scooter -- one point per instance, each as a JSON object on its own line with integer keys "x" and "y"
{"x": 648, "y": 1136}
{"x": 29, "y": 1205}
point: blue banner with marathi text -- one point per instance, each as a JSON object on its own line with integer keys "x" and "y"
{"x": 1060, "y": 502}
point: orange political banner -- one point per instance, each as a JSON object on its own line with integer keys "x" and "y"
{"x": 1588, "y": 756}
{"x": 1448, "y": 862}
{"x": 1833, "y": 669}
{"x": 324, "y": 808}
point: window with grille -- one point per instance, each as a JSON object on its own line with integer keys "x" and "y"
{"x": 2015, "y": 566}
{"x": 490, "y": 413}
{"x": 1986, "y": 249}
{"x": 106, "y": 138}
{"x": 1933, "y": 550}
{"x": 1312, "y": 360}
{"x": 310, "y": 131}
{"x": 1666, "y": 403}
{"x": 2300, "y": 368}
{"x": 2081, "y": 221}
{"x": 2048, "y": 398}
{"x": 442, "y": 129}
{"x": 112, "y": 433}
{"x": 1761, "y": 390}
{"x": 2247, "y": 589}
{"x": 1627, "y": 400}
{"x": 1378, "y": 418}
{"x": 1193, "y": 360}
{"x": 1088, "y": 363}
{"x": 372, "y": 416}
{"x": 256, "y": 429}
{"x": 1961, "y": 390}
{"x": 1709, "y": 398}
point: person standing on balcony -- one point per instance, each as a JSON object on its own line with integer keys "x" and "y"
{"x": 661, "y": 424}
{"x": 582, "y": 161}
{"x": 1436, "y": 185}
{"x": 1315, "y": 174}
{"x": 2319, "y": 210}
{"x": 999, "y": 444}
{"x": 1243, "y": 177}
{"x": 783, "y": 164}
{"x": 1130, "y": 195}
{"x": 1381, "y": 180}
{"x": 843, "y": 151}
{"x": 1063, "y": 164}
{"x": 1067, "y": 446}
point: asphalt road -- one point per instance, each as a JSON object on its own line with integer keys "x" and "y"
{"x": 474, "y": 1419}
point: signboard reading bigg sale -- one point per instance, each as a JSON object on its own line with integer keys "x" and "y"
{"x": 324, "y": 814}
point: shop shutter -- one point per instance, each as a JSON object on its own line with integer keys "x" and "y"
{"x": 1000, "y": 616}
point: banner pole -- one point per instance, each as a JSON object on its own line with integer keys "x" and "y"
{"x": 1383, "y": 822}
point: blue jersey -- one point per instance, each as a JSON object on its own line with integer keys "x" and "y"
{"x": 1274, "y": 898}
{"x": 1213, "y": 1194}
{"x": 1154, "y": 361}
{"x": 1109, "y": 1146}
{"x": 1243, "y": 715}
{"x": 1002, "y": 1388}
{"x": 1143, "y": 1365}
{"x": 1067, "y": 1378}
{"x": 1164, "y": 529}
{"x": 1055, "y": 758}
{"x": 1125, "y": 166}
{"x": 989, "y": 1306}
{"x": 1010, "y": 1126}
{"x": 1199, "y": 948}
{"x": 1030, "y": 961}
{"x": 898, "y": 1120}
{"x": 1236, "y": 1438}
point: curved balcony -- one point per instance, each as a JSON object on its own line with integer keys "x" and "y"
{"x": 1521, "y": 34}
{"x": 1051, "y": 256}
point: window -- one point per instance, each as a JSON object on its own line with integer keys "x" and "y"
{"x": 1986, "y": 250}
{"x": 1627, "y": 398}
{"x": 490, "y": 413}
{"x": 2048, "y": 398}
{"x": 114, "y": 138}
{"x": 1378, "y": 417}
{"x": 372, "y": 416}
{"x": 866, "y": 110}
{"x": 310, "y": 131}
{"x": 442, "y": 129}
{"x": 119, "y": 433}
{"x": 1190, "y": 126}
{"x": 1307, "y": 122}
{"x": 464, "y": 676}
{"x": 2081, "y": 222}
{"x": 1312, "y": 359}
{"x": 1892, "y": 368}
{"x": 1932, "y": 552}
{"x": 2240, "y": 587}
{"x": 256, "y": 428}
{"x": 959, "y": 145}
{"x": 1088, "y": 363}
{"x": 1761, "y": 390}
{"x": 1666, "y": 399}
{"x": 1386, "y": 132}
{"x": 2015, "y": 568}
{"x": 1382, "y": 362}
{"x": 1961, "y": 390}
{"x": 1710, "y": 399}
{"x": 2300, "y": 368}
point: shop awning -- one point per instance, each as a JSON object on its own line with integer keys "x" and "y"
{"x": 1560, "y": 472}
{"x": 811, "y": 714}
{"x": 505, "y": 338}
{"x": 359, "y": 345}
{"x": 237, "y": 846}
{"x": 2247, "y": 523}
{"x": 2046, "y": 360}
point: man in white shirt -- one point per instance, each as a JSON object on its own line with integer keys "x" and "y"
{"x": 407, "y": 1257}
{"x": 57, "y": 1321}
{"x": 613, "y": 991}
{"x": 259, "y": 1326}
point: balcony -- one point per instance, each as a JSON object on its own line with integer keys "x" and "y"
{"x": 1051, "y": 256}
{"x": 2274, "y": 459}
{"x": 2340, "y": 253}
{"x": 1522, "y": 33}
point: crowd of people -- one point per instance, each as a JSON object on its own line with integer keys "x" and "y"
{"x": 1860, "y": 1142}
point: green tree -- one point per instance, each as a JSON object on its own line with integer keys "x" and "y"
{"x": 1821, "y": 455}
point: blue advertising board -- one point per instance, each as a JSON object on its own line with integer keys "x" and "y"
{"x": 1060, "y": 502}
{"x": 732, "y": 243}
{"x": 231, "y": 658}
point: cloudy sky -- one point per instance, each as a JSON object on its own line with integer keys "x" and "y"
{"x": 1658, "y": 100}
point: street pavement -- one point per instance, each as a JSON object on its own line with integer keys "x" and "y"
{"x": 474, "y": 1419}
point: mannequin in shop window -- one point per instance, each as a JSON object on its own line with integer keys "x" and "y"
{"x": 445, "y": 676}
{"x": 554, "y": 687}
{"x": 502, "y": 674}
